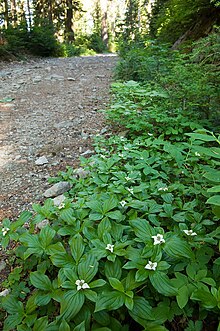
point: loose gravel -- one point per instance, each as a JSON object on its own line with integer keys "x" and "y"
{"x": 48, "y": 111}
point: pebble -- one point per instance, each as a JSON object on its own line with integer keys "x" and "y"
{"x": 57, "y": 189}
{"x": 41, "y": 160}
{"x": 4, "y": 293}
{"x": 57, "y": 201}
{"x": 42, "y": 224}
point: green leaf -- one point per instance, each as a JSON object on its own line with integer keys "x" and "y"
{"x": 12, "y": 305}
{"x": 115, "y": 215}
{"x": 91, "y": 295}
{"x": 97, "y": 283}
{"x": 42, "y": 299}
{"x": 211, "y": 151}
{"x": 214, "y": 189}
{"x": 23, "y": 218}
{"x": 64, "y": 326}
{"x": 141, "y": 275}
{"x": 62, "y": 260}
{"x": 109, "y": 204}
{"x": 214, "y": 200}
{"x": 71, "y": 304}
{"x": 116, "y": 284}
{"x": 68, "y": 216}
{"x": 95, "y": 206}
{"x": 12, "y": 321}
{"x": 142, "y": 228}
{"x": 113, "y": 269}
{"x": 77, "y": 247}
{"x": 199, "y": 136}
{"x": 182, "y": 296}
{"x": 110, "y": 301}
{"x": 80, "y": 327}
{"x": 129, "y": 303}
{"x": 103, "y": 227}
{"x": 55, "y": 248}
{"x": 142, "y": 311}
{"x": 207, "y": 299}
{"x": 46, "y": 236}
{"x": 41, "y": 324}
{"x": 40, "y": 281}
{"x": 177, "y": 248}
{"x": 213, "y": 176}
{"x": 88, "y": 267}
{"x": 162, "y": 284}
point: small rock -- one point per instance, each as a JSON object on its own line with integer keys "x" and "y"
{"x": 41, "y": 160}
{"x": 71, "y": 79}
{"x": 81, "y": 173}
{"x": 57, "y": 201}
{"x": 57, "y": 189}
{"x": 42, "y": 224}
{"x": 2, "y": 265}
{"x": 4, "y": 293}
{"x": 88, "y": 152}
{"x": 37, "y": 79}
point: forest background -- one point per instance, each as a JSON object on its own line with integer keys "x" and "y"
{"x": 135, "y": 244}
{"x": 67, "y": 28}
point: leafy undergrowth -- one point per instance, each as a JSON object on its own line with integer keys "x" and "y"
{"x": 134, "y": 246}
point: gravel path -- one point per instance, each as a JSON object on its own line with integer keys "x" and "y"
{"x": 47, "y": 108}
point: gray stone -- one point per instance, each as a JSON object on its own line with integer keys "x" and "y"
{"x": 41, "y": 160}
{"x": 37, "y": 79}
{"x": 2, "y": 265}
{"x": 4, "y": 293}
{"x": 59, "y": 200}
{"x": 81, "y": 173}
{"x": 57, "y": 189}
{"x": 42, "y": 224}
{"x": 88, "y": 152}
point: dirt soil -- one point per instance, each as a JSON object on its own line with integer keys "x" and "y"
{"x": 48, "y": 107}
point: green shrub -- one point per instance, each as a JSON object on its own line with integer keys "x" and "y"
{"x": 17, "y": 39}
{"x": 70, "y": 50}
{"x": 96, "y": 43}
{"x": 43, "y": 42}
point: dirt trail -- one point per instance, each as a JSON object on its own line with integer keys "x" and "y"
{"x": 48, "y": 108}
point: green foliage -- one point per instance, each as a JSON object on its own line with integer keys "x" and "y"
{"x": 135, "y": 244}
{"x": 43, "y": 42}
{"x": 172, "y": 19}
{"x": 189, "y": 81}
{"x": 96, "y": 43}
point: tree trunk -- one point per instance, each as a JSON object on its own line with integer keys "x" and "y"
{"x": 69, "y": 33}
{"x": 13, "y": 12}
{"x": 6, "y": 14}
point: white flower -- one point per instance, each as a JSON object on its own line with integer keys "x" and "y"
{"x": 130, "y": 190}
{"x": 4, "y": 293}
{"x": 62, "y": 205}
{"x": 190, "y": 232}
{"x": 127, "y": 178}
{"x": 103, "y": 156}
{"x": 121, "y": 154}
{"x": 197, "y": 154}
{"x": 126, "y": 148}
{"x": 81, "y": 285}
{"x": 158, "y": 239}
{"x": 4, "y": 231}
{"x": 150, "y": 134}
{"x": 110, "y": 247}
{"x": 163, "y": 189}
{"x": 123, "y": 203}
{"x": 151, "y": 265}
